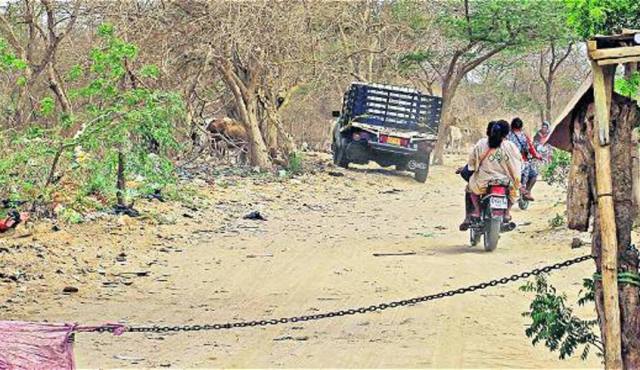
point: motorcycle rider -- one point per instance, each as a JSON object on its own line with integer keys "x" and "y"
{"x": 528, "y": 152}
{"x": 491, "y": 159}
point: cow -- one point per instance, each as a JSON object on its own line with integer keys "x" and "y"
{"x": 454, "y": 140}
{"x": 228, "y": 136}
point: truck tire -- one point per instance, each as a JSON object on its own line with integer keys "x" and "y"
{"x": 340, "y": 154}
{"x": 421, "y": 174}
{"x": 492, "y": 233}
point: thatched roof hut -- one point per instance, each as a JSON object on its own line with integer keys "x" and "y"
{"x": 561, "y": 135}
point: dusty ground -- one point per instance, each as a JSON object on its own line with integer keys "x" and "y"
{"x": 203, "y": 263}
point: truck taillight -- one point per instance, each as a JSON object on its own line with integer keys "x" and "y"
{"x": 357, "y": 136}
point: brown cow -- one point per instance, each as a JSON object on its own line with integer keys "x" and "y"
{"x": 227, "y": 135}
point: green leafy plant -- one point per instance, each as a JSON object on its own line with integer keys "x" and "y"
{"x": 629, "y": 87}
{"x": 295, "y": 163}
{"x": 122, "y": 147}
{"x": 554, "y": 323}
{"x": 591, "y": 17}
{"x": 557, "y": 221}
{"x": 129, "y": 127}
{"x": 556, "y": 172}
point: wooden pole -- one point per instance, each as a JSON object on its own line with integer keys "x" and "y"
{"x": 602, "y": 89}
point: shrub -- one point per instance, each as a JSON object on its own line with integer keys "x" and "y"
{"x": 556, "y": 172}
{"x": 554, "y": 324}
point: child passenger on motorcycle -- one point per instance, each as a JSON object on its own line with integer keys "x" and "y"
{"x": 528, "y": 152}
{"x": 494, "y": 159}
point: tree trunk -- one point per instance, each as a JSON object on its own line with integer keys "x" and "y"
{"x": 246, "y": 99}
{"x": 445, "y": 122}
{"x": 548, "y": 88}
{"x": 120, "y": 183}
{"x": 258, "y": 153}
{"x": 55, "y": 84}
{"x": 623, "y": 115}
{"x": 580, "y": 193}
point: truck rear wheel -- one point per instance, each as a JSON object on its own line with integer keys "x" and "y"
{"x": 421, "y": 174}
{"x": 340, "y": 154}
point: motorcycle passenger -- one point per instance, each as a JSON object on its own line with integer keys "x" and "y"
{"x": 494, "y": 159}
{"x": 528, "y": 152}
{"x": 466, "y": 173}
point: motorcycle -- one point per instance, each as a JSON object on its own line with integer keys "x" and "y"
{"x": 493, "y": 211}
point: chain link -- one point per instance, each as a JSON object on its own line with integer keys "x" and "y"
{"x": 359, "y": 310}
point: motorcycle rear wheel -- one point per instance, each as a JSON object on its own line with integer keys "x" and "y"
{"x": 492, "y": 233}
{"x": 523, "y": 204}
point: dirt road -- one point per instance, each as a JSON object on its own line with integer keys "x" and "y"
{"x": 314, "y": 253}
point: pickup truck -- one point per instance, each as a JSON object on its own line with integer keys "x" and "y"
{"x": 390, "y": 125}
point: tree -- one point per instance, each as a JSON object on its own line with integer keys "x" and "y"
{"x": 590, "y": 17}
{"x": 43, "y": 21}
{"x": 128, "y": 125}
{"x": 475, "y": 32}
{"x": 558, "y": 44}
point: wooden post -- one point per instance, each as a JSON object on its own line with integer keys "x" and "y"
{"x": 602, "y": 89}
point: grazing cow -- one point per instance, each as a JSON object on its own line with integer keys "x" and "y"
{"x": 454, "y": 140}
{"x": 228, "y": 136}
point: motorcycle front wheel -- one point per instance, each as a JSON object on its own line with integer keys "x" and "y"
{"x": 523, "y": 204}
{"x": 492, "y": 233}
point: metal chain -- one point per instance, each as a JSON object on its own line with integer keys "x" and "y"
{"x": 355, "y": 311}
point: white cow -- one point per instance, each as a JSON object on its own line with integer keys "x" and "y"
{"x": 455, "y": 140}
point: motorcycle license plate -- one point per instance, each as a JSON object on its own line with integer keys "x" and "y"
{"x": 498, "y": 203}
{"x": 393, "y": 140}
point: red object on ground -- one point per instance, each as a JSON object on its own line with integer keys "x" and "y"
{"x": 29, "y": 345}
{"x": 5, "y": 225}
{"x": 11, "y": 222}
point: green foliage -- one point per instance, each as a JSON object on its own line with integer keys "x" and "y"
{"x": 557, "y": 221}
{"x": 70, "y": 216}
{"x": 629, "y": 87}
{"x": 47, "y": 106}
{"x": 121, "y": 114}
{"x": 24, "y": 161}
{"x": 511, "y": 23}
{"x": 591, "y": 17}
{"x": 295, "y": 164}
{"x": 556, "y": 172}
{"x": 8, "y": 60}
{"x": 125, "y": 116}
{"x": 554, "y": 324}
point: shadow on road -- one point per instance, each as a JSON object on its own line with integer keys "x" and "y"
{"x": 462, "y": 249}
{"x": 382, "y": 171}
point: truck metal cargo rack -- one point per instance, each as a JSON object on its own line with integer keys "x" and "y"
{"x": 392, "y": 106}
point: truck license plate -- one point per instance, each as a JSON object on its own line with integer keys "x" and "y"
{"x": 498, "y": 203}
{"x": 393, "y": 140}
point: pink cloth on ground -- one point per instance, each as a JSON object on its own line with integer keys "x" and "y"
{"x": 28, "y": 345}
